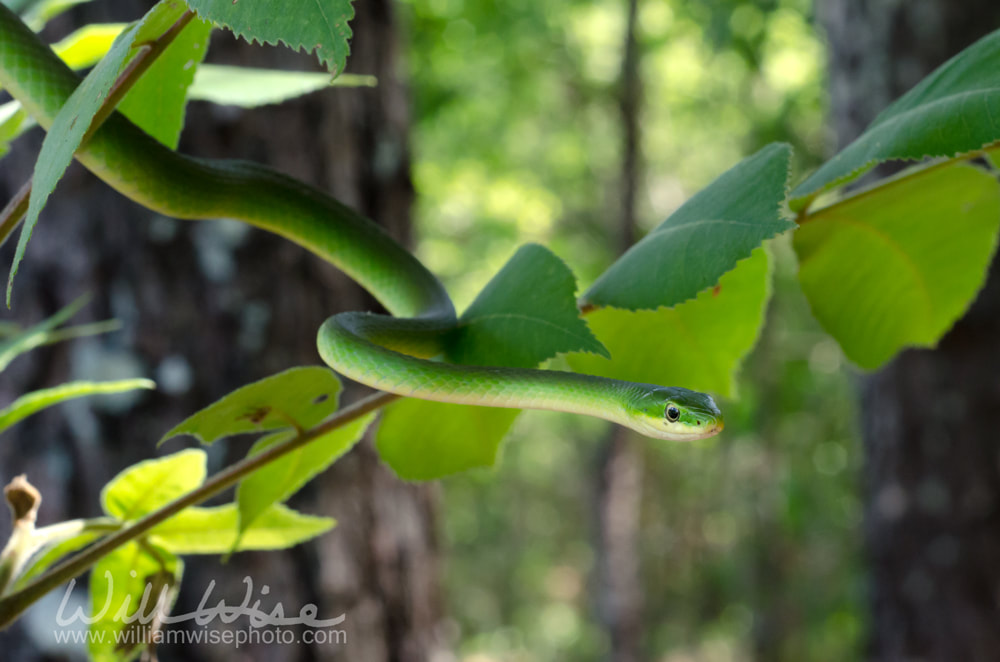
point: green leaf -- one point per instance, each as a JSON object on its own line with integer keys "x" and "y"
{"x": 698, "y": 344}
{"x": 299, "y": 397}
{"x": 73, "y": 120}
{"x": 40, "y": 13}
{"x": 35, "y": 401}
{"x": 215, "y": 530}
{"x": 85, "y": 47}
{"x": 156, "y": 102}
{"x": 423, "y": 440}
{"x": 319, "y": 25}
{"x": 526, "y": 314}
{"x": 956, "y": 109}
{"x": 117, "y": 584}
{"x": 896, "y": 265}
{"x": 52, "y": 554}
{"x": 143, "y": 487}
{"x": 13, "y": 122}
{"x": 37, "y": 335}
{"x": 703, "y": 239}
{"x": 249, "y": 88}
{"x": 282, "y": 478}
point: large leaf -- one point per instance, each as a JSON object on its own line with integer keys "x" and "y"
{"x": 698, "y": 344}
{"x": 954, "y": 110}
{"x": 282, "y": 478}
{"x": 117, "y": 584}
{"x": 145, "y": 486}
{"x": 526, "y": 314}
{"x": 215, "y": 530}
{"x": 73, "y": 120}
{"x": 320, "y": 25}
{"x": 898, "y": 264}
{"x": 248, "y": 87}
{"x": 28, "y": 404}
{"x": 299, "y": 397}
{"x": 703, "y": 239}
{"x": 156, "y": 102}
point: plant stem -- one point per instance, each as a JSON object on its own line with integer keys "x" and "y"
{"x": 14, "y": 604}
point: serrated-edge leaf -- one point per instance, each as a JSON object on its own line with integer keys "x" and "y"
{"x": 642, "y": 280}
{"x": 147, "y": 485}
{"x": 30, "y": 403}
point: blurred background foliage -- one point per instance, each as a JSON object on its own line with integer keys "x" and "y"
{"x": 750, "y": 543}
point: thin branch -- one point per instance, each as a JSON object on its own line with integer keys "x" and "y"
{"x": 14, "y": 604}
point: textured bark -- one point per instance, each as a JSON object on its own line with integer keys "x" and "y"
{"x": 930, "y": 418}
{"x": 208, "y": 307}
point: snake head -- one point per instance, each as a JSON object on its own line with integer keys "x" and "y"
{"x": 675, "y": 413}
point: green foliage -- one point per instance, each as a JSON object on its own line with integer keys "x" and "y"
{"x": 85, "y": 47}
{"x": 73, "y": 120}
{"x": 698, "y": 343}
{"x": 30, "y": 403}
{"x": 909, "y": 278}
{"x": 272, "y": 484}
{"x": 703, "y": 239}
{"x": 249, "y": 88}
{"x": 156, "y": 102}
{"x": 296, "y": 398}
{"x": 949, "y": 112}
{"x": 218, "y": 530}
{"x": 146, "y": 486}
{"x": 513, "y": 322}
{"x": 319, "y": 26}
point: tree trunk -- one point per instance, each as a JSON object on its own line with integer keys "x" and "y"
{"x": 929, "y": 418}
{"x": 208, "y": 307}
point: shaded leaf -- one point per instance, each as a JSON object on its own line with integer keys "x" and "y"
{"x": 320, "y": 25}
{"x": 50, "y": 555}
{"x": 424, "y": 440}
{"x": 876, "y": 271}
{"x": 37, "y": 335}
{"x": 248, "y": 87}
{"x": 28, "y": 404}
{"x": 702, "y": 240}
{"x": 955, "y": 109}
{"x": 145, "y": 486}
{"x": 214, "y": 530}
{"x": 698, "y": 344}
{"x": 299, "y": 397}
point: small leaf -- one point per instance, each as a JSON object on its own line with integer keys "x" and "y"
{"x": 37, "y": 335}
{"x": 895, "y": 266}
{"x": 299, "y": 397}
{"x": 73, "y": 120}
{"x": 423, "y": 440}
{"x": 526, "y": 314}
{"x": 215, "y": 530}
{"x": 157, "y": 100}
{"x": 703, "y": 239}
{"x": 282, "y": 478}
{"x": 118, "y": 583}
{"x": 85, "y": 47}
{"x": 143, "y": 487}
{"x": 40, "y": 13}
{"x": 52, "y": 554}
{"x": 698, "y": 344}
{"x": 319, "y": 25}
{"x": 249, "y": 88}
{"x": 35, "y": 401}
{"x": 956, "y": 109}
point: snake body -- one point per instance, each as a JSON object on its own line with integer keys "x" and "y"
{"x": 390, "y": 353}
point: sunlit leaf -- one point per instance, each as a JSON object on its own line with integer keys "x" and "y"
{"x": 698, "y": 344}
{"x": 702, "y": 240}
{"x": 319, "y": 26}
{"x": 956, "y": 109}
{"x": 73, "y": 120}
{"x": 85, "y": 47}
{"x": 897, "y": 265}
{"x": 143, "y": 487}
{"x": 214, "y": 530}
{"x": 248, "y": 87}
{"x": 29, "y": 403}
{"x": 299, "y": 397}
{"x": 40, "y": 13}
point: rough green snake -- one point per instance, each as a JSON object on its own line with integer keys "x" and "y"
{"x": 391, "y": 353}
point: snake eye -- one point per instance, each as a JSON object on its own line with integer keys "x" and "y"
{"x": 673, "y": 413}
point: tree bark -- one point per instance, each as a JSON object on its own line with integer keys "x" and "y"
{"x": 208, "y": 307}
{"x": 929, "y": 418}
